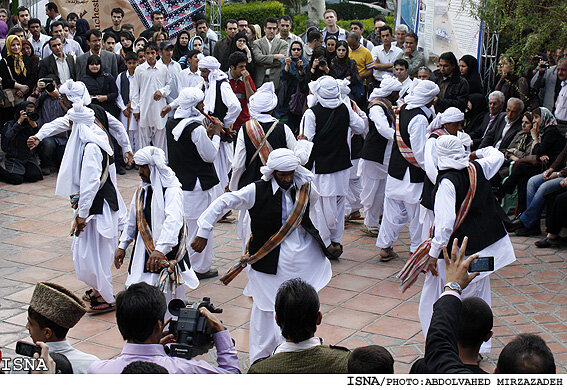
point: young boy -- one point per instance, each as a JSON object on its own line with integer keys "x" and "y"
{"x": 141, "y": 56}
{"x": 150, "y": 87}
{"x": 124, "y": 84}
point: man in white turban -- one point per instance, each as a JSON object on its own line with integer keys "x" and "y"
{"x": 192, "y": 150}
{"x": 271, "y": 201}
{"x": 329, "y": 124}
{"x": 375, "y": 155}
{"x": 405, "y": 170}
{"x": 88, "y": 176}
{"x": 156, "y": 223}
{"x": 486, "y": 233}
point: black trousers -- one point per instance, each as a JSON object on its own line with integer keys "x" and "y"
{"x": 519, "y": 177}
{"x": 32, "y": 174}
{"x": 557, "y": 212}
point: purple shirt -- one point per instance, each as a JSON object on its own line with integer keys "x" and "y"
{"x": 226, "y": 359}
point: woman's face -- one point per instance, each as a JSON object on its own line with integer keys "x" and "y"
{"x": 3, "y": 17}
{"x": 159, "y": 40}
{"x": 94, "y": 68}
{"x": 469, "y": 105}
{"x": 505, "y": 67}
{"x": 27, "y": 51}
{"x": 341, "y": 51}
{"x": 15, "y": 47}
{"x": 125, "y": 42}
{"x": 250, "y": 33}
{"x": 526, "y": 125}
{"x": 198, "y": 45}
{"x": 537, "y": 120}
{"x": 331, "y": 45}
{"x": 296, "y": 51}
{"x": 241, "y": 43}
{"x": 139, "y": 45}
{"x": 183, "y": 39}
{"x": 463, "y": 67}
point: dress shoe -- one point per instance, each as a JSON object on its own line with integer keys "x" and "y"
{"x": 512, "y": 226}
{"x": 547, "y": 242}
{"x": 528, "y": 232}
{"x": 207, "y": 275}
{"x": 120, "y": 170}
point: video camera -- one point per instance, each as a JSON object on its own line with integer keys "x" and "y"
{"x": 190, "y": 330}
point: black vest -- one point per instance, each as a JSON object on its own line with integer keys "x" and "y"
{"x": 356, "y": 143}
{"x": 330, "y": 150}
{"x": 276, "y": 139}
{"x": 482, "y": 224}
{"x": 398, "y": 164}
{"x": 374, "y": 147}
{"x": 125, "y": 87}
{"x": 427, "y": 192}
{"x": 185, "y": 160}
{"x": 266, "y": 219}
{"x": 106, "y": 192}
{"x": 220, "y": 109}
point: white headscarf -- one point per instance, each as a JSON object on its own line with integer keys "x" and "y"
{"x": 387, "y": 86}
{"x": 213, "y": 65}
{"x": 422, "y": 94}
{"x": 451, "y": 153}
{"x": 84, "y": 131}
{"x": 325, "y": 90}
{"x": 450, "y": 115}
{"x": 188, "y": 99}
{"x": 262, "y": 102}
{"x": 285, "y": 160}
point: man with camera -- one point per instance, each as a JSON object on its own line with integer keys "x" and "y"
{"x": 140, "y": 312}
{"x": 549, "y": 81}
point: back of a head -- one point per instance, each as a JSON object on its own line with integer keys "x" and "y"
{"x": 526, "y": 354}
{"x": 371, "y": 359}
{"x": 140, "y": 367}
{"x": 297, "y": 309}
{"x": 475, "y": 322}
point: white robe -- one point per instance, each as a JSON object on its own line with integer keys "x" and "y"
{"x": 300, "y": 256}
{"x": 132, "y": 127}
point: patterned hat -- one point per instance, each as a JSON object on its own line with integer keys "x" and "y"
{"x": 57, "y": 304}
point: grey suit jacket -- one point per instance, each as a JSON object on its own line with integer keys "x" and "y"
{"x": 264, "y": 60}
{"x": 48, "y": 67}
{"x": 107, "y": 58}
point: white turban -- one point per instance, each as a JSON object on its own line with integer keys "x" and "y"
{"x": 285, "y": 160}
{"x": 327, "y": 91}
{"x": 387, "y": 86}
{"x": 160, "y": 174}
{"x": 450, "y": 115}
{"x": 422, "y": 94}
{"x": 187, "y": 100}
{"x": 77, "y": 93}
{"x": 209, "y": 62}
{"x": 213, "y": 65}
{"x": 451, "y": 153}
{"x": 263, "y": 101}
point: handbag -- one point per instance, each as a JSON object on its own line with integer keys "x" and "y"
{"x": 9, "y": 97}
{"x": 297, "y": 101}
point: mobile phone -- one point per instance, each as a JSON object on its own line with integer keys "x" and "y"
{"x": 27, "y": 349}
{"x": 482, "y": 264}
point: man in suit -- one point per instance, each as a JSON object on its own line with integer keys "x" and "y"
{"x": 58, "y": 66}
{"x": 231, "y": 28}
{"x": 505, "y": 126}
{"x": 268, "y": 52}
{"x": 108, "y": 59}
{"x": 496, "y": 103}
{"x": 297, "y": 314}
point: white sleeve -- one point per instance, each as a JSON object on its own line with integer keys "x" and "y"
{"x": 445, "y": 216}
{"x": 166, "y": 89}
{"x": 119, "y": 100}
{"x": 232, "y": 104}
{"x": 169, "y": 235}
{"x": 380, "y": 120}
{"x": 417, "y": 132}
{"x": 430, "y": 159}
{"x": 238, "y": 161}
{"x": 207, "y": 148}
{"x": 54, "y": 127}
{"x": 307, "y": 125}
{"x": 242, "y": 199}
{"x": 365, "y": 120}
{"x": 116, "y": 128}
{"x": 490, "y": 159}
{"x": 290, "y": 139}
{"x": 91, "y": 171}
{"x": 356, "y": 123}
{"x": 135, "y": 95}
{"x": 130, "y": 228}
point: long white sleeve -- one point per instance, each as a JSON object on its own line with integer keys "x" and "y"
{"x": 417, "y": 129}
{"x": 290, "y": 139}
{"x": 130, "y": 228}
{"x": 490, "y": 159}
{"x": 238, "y": 160}
{"x": 135, "y": 91}
{"x": 207, "y": 148}
{"x": 445, "y": 216}
{"x": 307, "y": 125}
{"x": 377, "y": 115}
{"x": 169, "y": 234}
{"x": 232, "y": 104}
{"x": 356, "y": 123}
{"x": 91, "y": 171}
{"x": 430, "y": 159}
{"x": 118, "y": 131}
{"x": 54, "y": 127}
{"x": 119, "y": 100}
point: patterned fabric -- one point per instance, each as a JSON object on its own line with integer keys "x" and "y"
{"x": 177, "y": 13}
{"x": 418, "y": 262}
{"x": 547, "y": 119}
{"x": 405, "y": 150}
{"x": 385, "y": 104}
{"x": 292, "y": 222}
{"x": 259, "y": 140}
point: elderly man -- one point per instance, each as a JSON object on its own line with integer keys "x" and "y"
{"x": 157, "y": 226}
{"x": 192, "y": 150}
{"x": 406, "y": 170}
{"x": 505, "y": 127}
{"x": 376, "y": 151}
{"x": 329, "y": 123}
{"x": 401, "y": 32}
{"x": 88, "y": 176}
{"x": 282, "y": 200}
{"x": 496, "y": 104}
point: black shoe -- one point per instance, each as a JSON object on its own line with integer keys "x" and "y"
{"x": 46, "y": 171}
{"x": 129, "y": 167}
{"x": 528, "y": 232}
{"x": 207, "y": 275}
{"x": 512, "y": 226}
{"x": 547, "y": 242}
{"x": 120, "y": 170}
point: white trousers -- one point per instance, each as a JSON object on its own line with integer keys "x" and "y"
{"x": 433, "y": 288}
{"x": 265, "y": 334}
{"x": 396, "y": 215}
{"x": 153, "y": 135}
{"x": 194, "y": 204}
{"x": 93, "y": 256}
{"x": 331, "y": 217}
{"x": 353, "y": 202}
{"x": 372, "y": 198}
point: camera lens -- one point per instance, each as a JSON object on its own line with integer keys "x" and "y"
{"x": 50, "y": 87}
{"x": 32, "y": 115}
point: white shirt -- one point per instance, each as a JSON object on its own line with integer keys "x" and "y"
{"x": 230, "y": 101}
{"x": 147, "y": 81}
{"x": 62, "y": 68}
{"x": 70, "y": 46}
{"x": 186, "y": 78}
{"x": 298, "y": 347}
{"x": 79, "y": 360}
{"x": 561, "y": 103}
{"x": 377, "y": 115}
{"x": 174, "y": 70}
{"x": 119, "y": 99}
{"x": 504, "y": 131}
{"x": 385, "y": 57}
{"x": 38, "y": 45}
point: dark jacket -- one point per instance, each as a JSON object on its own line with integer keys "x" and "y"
{"x": 16, "y": 136}
{"x": 495, "y": 133}
{"x": 8, "y": 81}
{"x": 551, "y": 144}
{"x": 456, "y": 94}
{"x": 103, "y": 84}
{"x": 48, "y": 68}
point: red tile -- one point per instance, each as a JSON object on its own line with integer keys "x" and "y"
{"x": 347, "y": 318}
{"x": 394, "y": 327}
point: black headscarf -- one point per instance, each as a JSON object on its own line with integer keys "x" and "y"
{"x": 94, "y": 59}
{"x": 475, "y": 116}
{"x": 472, "y": 76}
{"x": 178, "y": 50}
{"x": 232, "y": 48}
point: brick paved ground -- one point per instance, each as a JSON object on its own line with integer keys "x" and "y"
{"x": 361, "y": 305}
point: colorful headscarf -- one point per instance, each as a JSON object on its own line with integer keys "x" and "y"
{"x": 547, "y": 118}
{"x": 19, "y": 66}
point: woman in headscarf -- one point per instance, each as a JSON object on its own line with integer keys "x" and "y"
{"x": 28, "y": 51}
{"x": 292, "y": 80}
{"x": 318, "y": 66}
{"x": 181, "y": 47}
{"x": 239, "y": 43}
{"x": 343, "y": 67}
{"x": 81, "y": 29}
{"x": 468, "y": 65}
{"x": 127, "y": 42}
{"x": 331, "y": 46}
{"x": 474, "y": 116}
{"x": 510, "y": 84}
{"x": 101, "y": 86}
{"x": 548, "y": 142}
{"x": 17, "y": 73}
{"x": 195, "y": 43}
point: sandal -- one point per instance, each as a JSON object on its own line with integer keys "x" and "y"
{"x": 391, "y": 255}
{"x": 98, "y": 307}
{"x": 87, "y": 295}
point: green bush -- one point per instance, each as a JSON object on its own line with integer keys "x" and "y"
{"x": 349, "y": 11}
{"x": 255, "y": 12}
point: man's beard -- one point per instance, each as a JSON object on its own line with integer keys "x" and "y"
{"x": 285, "y": 186}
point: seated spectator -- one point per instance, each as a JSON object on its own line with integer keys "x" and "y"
{"x": 141, "y": 367}
{"x": 505, "y": 127}
{"x": 454, "y": 88}
{"x": 509, "y": 83}
{"x": 556, "y": 218}
{"x": 20, "y": 162}
{"x": 372, "y": 359}
{"x": 318, "y": 65}
{"x": 344, "y": 67}
{"x": 297, "y": 314}
{"x": 140, "y": 311}
{"x": 496, "y": 105}
{"x": 477, "y": 109}
{"x": 468, "y": 66}
{"x": 520, "y": 149}
{"x": 53, "y": 310}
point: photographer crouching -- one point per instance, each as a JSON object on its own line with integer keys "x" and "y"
{"x": 140, "y": 311}
{"x": 21, "y": 163}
